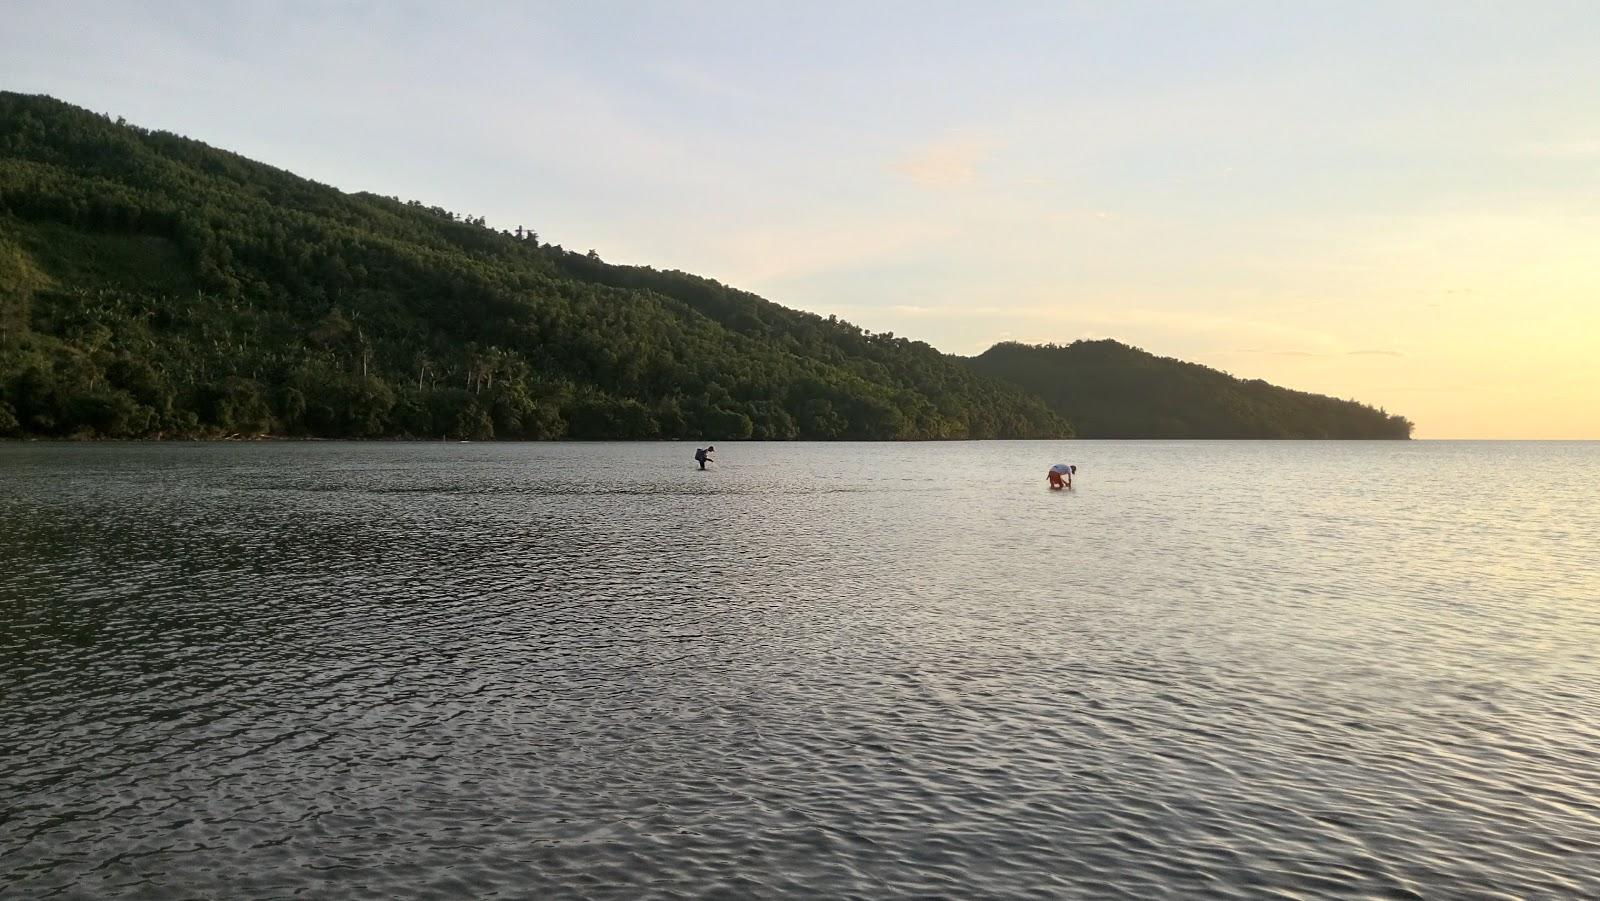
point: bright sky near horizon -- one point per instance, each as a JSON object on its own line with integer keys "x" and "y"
{"x": 1393, "y": 201}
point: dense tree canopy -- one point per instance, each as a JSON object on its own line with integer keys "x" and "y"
{"x": 151, "y": 285}
{"x": 1111, "y": 390}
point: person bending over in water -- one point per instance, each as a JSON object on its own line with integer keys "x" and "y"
{"x": 1062, "y": 479}
{"x": 702, "y": 455}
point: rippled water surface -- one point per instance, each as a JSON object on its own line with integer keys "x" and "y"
{"x": 453, "y": 670}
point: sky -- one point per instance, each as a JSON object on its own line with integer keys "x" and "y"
{"x": 1392, "y": 201}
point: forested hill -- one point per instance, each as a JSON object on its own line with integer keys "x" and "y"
{"x": 1110, "y": 390}
{"x": 152, "y": 286}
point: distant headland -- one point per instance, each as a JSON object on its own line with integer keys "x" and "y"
{"x": 154, "y": 287}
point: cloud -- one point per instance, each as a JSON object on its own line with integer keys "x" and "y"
{"x": 950, "y": 162}
{"x": 754, "y": 257}
{"x": 1309, "y": 353}
{"x": 1560, "y": 149}
{"x": 693, "y": 79}
{"x": 1275, "y": 337}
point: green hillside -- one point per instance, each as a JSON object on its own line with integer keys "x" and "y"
{"x": 152, "y": 286}
{"x": 1110, "y": 390}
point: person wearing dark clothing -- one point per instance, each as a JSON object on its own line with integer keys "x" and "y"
{"x": 702, "y": 455}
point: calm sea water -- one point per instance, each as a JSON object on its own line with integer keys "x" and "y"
{"x": 546, "y": 670}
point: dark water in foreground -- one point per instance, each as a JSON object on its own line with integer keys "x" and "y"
{"x": 389, "y": 670}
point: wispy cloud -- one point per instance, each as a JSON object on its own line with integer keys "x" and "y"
{"x": 687, "y": 76}
{"x": 1310, "y": 353}
{"x": 1274, "y": 336}
{"x": 949, "y": 162}
{"x": 1581, "y": 149}
{"x": 1270, "y": 352}
{"x": 759, "y": 255}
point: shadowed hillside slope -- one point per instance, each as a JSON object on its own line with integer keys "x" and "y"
{"x": 1111, "y": 390}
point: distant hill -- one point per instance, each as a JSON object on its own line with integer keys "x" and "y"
{"x": 152, "y": 286}
{"x": 1110, "y": 390}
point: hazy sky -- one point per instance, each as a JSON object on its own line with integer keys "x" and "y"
{"x": 1397, "y": 202}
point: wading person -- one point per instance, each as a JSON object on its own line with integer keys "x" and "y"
{"x": 1060, "y": 475}
{"x": 702, "y": 455}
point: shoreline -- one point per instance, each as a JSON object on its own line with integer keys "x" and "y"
{"x": 399, "y": 439}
